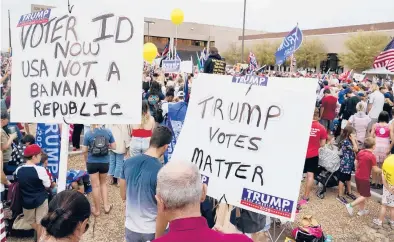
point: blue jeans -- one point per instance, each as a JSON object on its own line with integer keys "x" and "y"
{"x": 115, "y": 164}
{"x": 138, "y": 237}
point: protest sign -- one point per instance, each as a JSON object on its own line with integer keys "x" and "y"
{"x": 242, "y": 140}
{"x": 82, "y": 67}
{"x": 187, "y": 66}
{"x": 48, "y": 138}
{"x": 171, "y": 65}
{"x": 358, "y": 77}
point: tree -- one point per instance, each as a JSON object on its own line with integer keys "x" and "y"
{"x": 265, "y": 53}
{"x": 311, "y": 53}
{"x": 233, "y": 54}
{"x": 362, "y": 48}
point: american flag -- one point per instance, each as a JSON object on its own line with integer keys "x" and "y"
{"x": 166, "y": 50}
{"x": 386, "y": 57}
{"x": 345, "y": 76}
{"x": 252, "y": 62}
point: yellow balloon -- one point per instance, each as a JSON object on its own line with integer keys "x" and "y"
{"x": 150, "y": 52}
{"x": 388, "y": 169}
{"x": 177, "y": 16}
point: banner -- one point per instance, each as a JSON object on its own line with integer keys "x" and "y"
{"x": 242, "y": 140}
{"x": 176, "y": 116}
{"x": 48, "y": 138}
{"x": 171, "y": 65}
{"x": 290, "y": 44}
{"x": 73, "y": 67}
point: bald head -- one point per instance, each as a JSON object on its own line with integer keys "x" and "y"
{"x": 179, "y": 184}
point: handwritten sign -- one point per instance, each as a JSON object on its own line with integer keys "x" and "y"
{"x": 171, "y": 65}
{"x": 244, "y": 145}
{"x": 82, "y": 67}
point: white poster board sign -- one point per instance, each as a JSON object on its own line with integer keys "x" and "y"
{"x": 243, "y": 142}
{"x": 187, "y": 66}
{"x": 84, "y": 67}
{"x": 358, "y": 77}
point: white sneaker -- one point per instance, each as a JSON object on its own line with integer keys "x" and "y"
{"x": 363, "y": 212}
{"x": 349, "y": 209}
{"x": 377, "y": 222}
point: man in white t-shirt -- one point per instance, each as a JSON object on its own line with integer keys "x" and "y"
{"x": 375, "y": 105}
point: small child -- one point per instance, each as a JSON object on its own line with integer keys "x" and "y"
{"x": 387, "y": 203}
{"x": 44, "y": 163}
{"x": 365, "y": 163}
{"x": 348, "y": 143}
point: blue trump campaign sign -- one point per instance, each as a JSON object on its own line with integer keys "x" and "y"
{"x": 267, "y": 203}
{"x": 48, "y": 138}
{"x": 290, "y": 44}
{"x": 251, "y": 80}
{"x": 34, "y": 18}
{"x": 171, "y": 65}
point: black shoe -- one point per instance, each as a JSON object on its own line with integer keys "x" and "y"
{"x": 374, "y": 186}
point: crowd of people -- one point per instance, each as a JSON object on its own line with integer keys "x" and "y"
{"x": 354, "y": 121}
{"x": 167, "y": 201}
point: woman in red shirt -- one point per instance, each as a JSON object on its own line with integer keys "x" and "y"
{"x": 317, "y": 139}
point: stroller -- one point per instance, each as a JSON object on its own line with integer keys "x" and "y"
{"x": 327, "y": 174}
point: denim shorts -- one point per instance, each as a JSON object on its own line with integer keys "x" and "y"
{"x": 139, "y": 145}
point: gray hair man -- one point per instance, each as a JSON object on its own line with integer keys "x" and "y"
{"x": 179, "y": 194}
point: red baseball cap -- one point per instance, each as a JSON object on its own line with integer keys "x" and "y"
{"x": 32, "y": 150}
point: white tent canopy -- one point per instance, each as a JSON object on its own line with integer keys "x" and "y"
{"x": 378, "y": 71}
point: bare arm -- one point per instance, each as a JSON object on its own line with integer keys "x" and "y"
{"x": 122, "y": 184}
{"x": 321, "y": 111}
{"x": 369, "y": 107}
{"x": 322, "y": 142}
{"x": 4, "y": 78}
{"x": 376, "y": 169}
{"x": 112, "y": 146}
{"x": 9, "y": 141}
{"x": 85, "y": 153}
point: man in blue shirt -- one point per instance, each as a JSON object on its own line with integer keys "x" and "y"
{"x": 138, "y": 188}
{"x": 341, "y": 94}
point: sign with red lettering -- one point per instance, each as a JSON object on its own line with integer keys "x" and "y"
{"x": 241, "y": 137}
{"x": 79, "y": 67}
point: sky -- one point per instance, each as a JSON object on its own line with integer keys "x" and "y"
{"x": 265, "y": 15}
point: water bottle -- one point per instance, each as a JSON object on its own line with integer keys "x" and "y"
{"x": 329, "y": 238}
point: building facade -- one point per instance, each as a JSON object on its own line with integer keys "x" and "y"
{"x": 333, "y": 39}
{"x": 191, "y": 37}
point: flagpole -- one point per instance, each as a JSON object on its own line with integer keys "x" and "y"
{"x": 292, "y": 56}
{"x": 175, "y": 42}
{"x": 243, "y": 34}
{"x": 9, "y": 29}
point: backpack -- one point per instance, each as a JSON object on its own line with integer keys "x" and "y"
{"x": 14, "y": 198}
{"x": 99, "y": 146}
{"x": 158, "y": 113}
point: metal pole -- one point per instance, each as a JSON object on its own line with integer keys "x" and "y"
{"x": 9, "y": 28}
{"x": 243, "y": 34}
{"x": 148, "y": 33}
